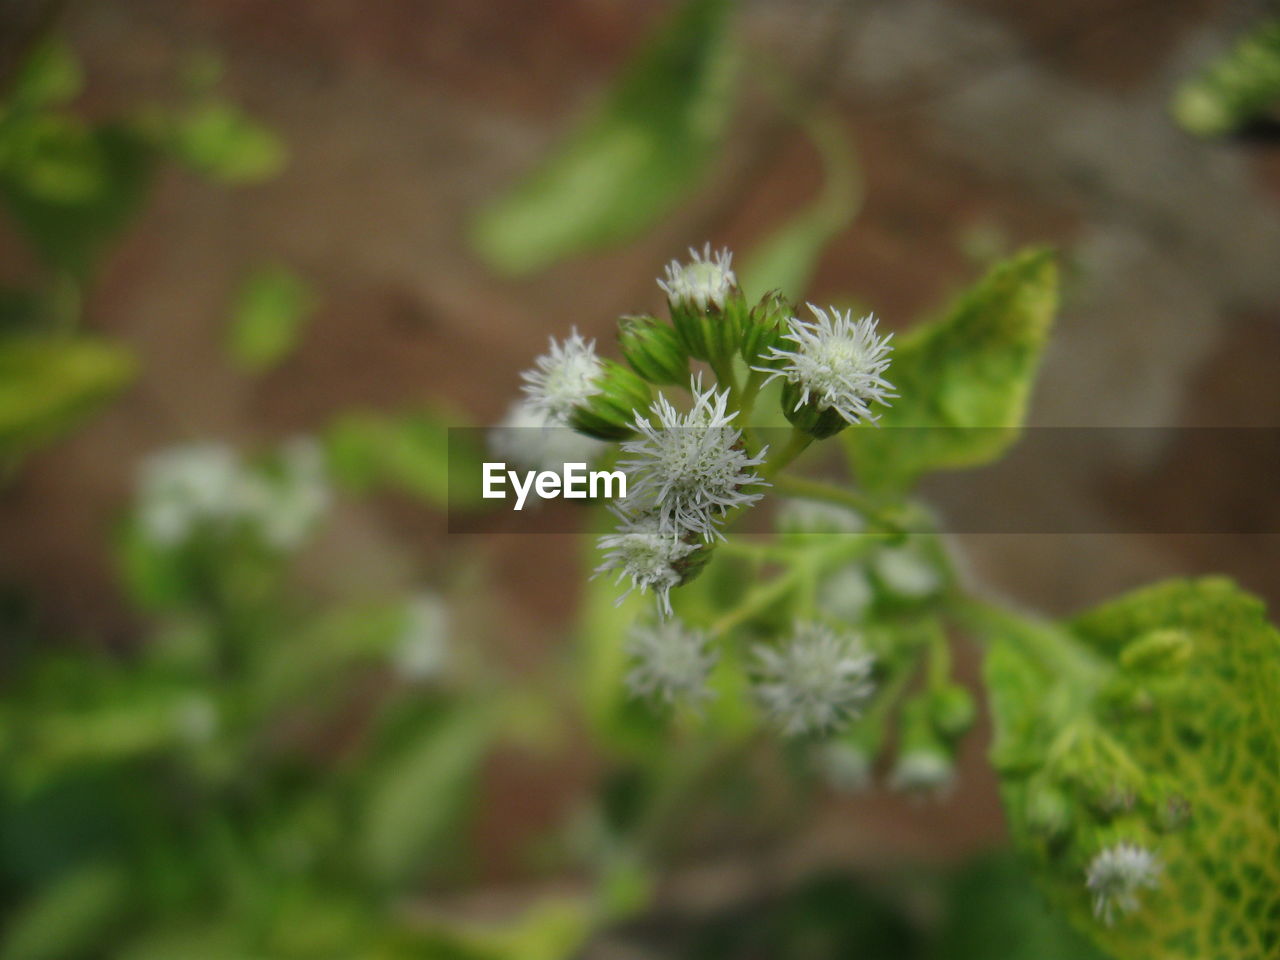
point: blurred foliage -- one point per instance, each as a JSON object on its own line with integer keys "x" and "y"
{"x": 417, "y": 453}
{"x": 786, "y": 259}
{"x": 71, "y": 187}
{"x": 268, "y": 317}
{"x": 964, "y": 381}
{"x": 648, "y": 143}
{"x": 49, "y": 383}
{"x": 1237, "y": 88}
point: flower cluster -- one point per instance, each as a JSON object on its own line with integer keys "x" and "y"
{"x": 1115, "y": 877}
{"x": 693, "y": 465}
{"x": 207, "y": 488}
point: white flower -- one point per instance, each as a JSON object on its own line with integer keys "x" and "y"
{"x": 641, "y": 553}
{"x": 532, "y": 438}
{"x": 702, "y": 281}
{"x": 907, "y": 574}
{"x": 817, "y": 516}
{"x": 846, "y": 594}
{"x": 670, "y": 662}
{"x": 690, "y": 468}
{"x": 207, "y": 487}
{"x": 839, "y": 362}
{"x": 923, "y": 771}
{"x": 187, "y": 486}
{"x": 291, "y": 503}
{"x": 816, "y": 681}
{"x": 1116, "y": 875}
{"x": 422, "y": 645}
{"x": 563, "y": 377}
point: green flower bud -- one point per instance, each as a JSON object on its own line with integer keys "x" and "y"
{"x": 608, "y": 414}
{"x": 764, "y": 329}
{"x": 707, "y": 307}
{"x": 925, "y": 763}
{"x": 653, "y": 350}
{"x": 1049, "y": 810}
{"x": 818, "y": 421}
{"x": 952, "y": 710}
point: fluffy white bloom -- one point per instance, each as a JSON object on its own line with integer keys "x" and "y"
{"x": 817, "y": 516}
{"x": 186, "y": 486}
{"x": 814, "y": 682}
{"x": 641, "y": 553}
{"x": 207, "y": 486}
{"x": 907, "y": 574}
{"x": 923, "y": 771}
{"x": 290, "y": 504}
{"x": 846, "y": 594}
{"x": 1116, "y": 875}
{"x": 532, "y": 438}
{"x": 837, "y": 361}
{"x": 422, "y": 646}
{"x": 563, "y": 377}
{"x": 705, "y": 280}
{"x": 689, "y": 468}
{"x": 670, "y": 662}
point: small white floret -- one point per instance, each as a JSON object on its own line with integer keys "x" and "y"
{"x": 1116, "y": 875}
{"x": 564, "y": 377}
{"x": 670, "y": 662}
{"x": 706, "y": 280}
{"x": 837, "y": 362}
{"x": 815, "y": 681}
{"x": 641, "y": 553}
{"x": 689, "y": 469}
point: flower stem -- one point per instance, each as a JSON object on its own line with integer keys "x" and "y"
{"x": 796, "y": 444}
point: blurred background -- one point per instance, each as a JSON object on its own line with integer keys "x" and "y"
{"x": 239, "y": 224}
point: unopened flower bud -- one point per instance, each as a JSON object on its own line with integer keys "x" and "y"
{"x": 764, "y": 329}
{"x": 653, "y": 350}
{"x": 925, "y": 763}
{"x": 610, "y": 412}
{"x": 1048, "y": 810}
{"x": 808, "y": 414}
{"x": 952, "y": 710}
{"x": 707, "y": 307}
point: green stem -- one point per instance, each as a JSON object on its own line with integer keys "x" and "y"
{"x": 1052, "y": 647}
{"x": 796, "y": 444}
{"x": 756, "y": 600}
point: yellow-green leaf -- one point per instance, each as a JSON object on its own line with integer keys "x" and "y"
{"x": 963, "y": 381}
{"x": 270, "y": 312}
{"x": 1234, "y": 89}
{"x": 47, "y": 385}
{"x": 1179, "y": 756}
{"x": 630, "y": 163}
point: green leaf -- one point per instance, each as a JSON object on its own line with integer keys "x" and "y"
{"x": 417, "y": 453}
{"x": 1234, "y": 89}
{"x": 270, "y": 313}
{"x": 220, "y": 141}
{"x": 418, "y": 797}
{"x": 70, "y": 918}
{"x": 72, "y": 189}
{"x": 964, "y": 381}
{"x": 47, "y": 385}
{"x": 626, "y": 167}
{"x": 1179, "y": 754}
{"x": 51, "y": 75}
{"x": 786, "y": 259}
